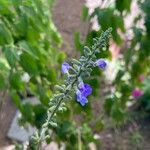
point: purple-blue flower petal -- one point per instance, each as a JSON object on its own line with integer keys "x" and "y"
{"x": 81, "y": 99}
{"x": 65, "y": 67}
{"x": 85, "y": 89}
{"x": 101, "y": 63}
{"x": 79, "y": 95}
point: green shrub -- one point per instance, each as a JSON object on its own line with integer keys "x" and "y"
{"x": 29, "y": 45}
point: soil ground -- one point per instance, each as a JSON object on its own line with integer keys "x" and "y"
{"x": 7, "y": 113}
{"x": 67, "y": 18}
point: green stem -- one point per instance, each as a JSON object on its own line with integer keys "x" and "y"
{"x": 60, "y": 100}
{"x": 57, "y": 106}
{"x": 50, "y": 116}
{"x": 2, "y": 100}
{"x": 79, "y": 140}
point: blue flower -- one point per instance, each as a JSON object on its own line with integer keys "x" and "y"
{"x": 80, "y": 98}
{"x": 83, "y": 91}
{"x": 101, "y": 63}
{"x": 65, "y": 67}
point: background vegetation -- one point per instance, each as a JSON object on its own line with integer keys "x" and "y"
{"x": 31, "y": 57}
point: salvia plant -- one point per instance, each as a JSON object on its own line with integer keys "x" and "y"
{"x": 75, "y": 71}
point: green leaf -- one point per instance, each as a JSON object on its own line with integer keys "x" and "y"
{"x": 11, "y": 55}
{"x": 77, "y": 42}
{"x": 86, "y": 132}
{"x": 137, "y": 33}
{"x": 5, "y": 7}
{"x": 95, "y": 84}
{"x": 116, "y": 37}
{"x": 43, "y": 94}
{"x": 3, "y": 66}
{"x": 16, "y": 99}
{"x": 123, "y": 5}
{"x": 26, "y": 46}
{"x": 16, "y": 82}
{"x": 40, "y": 114}
{"x": 5, "y": 35}
{"x": 29, "y": 64}
{"x": 2, "y": 82}
{"x": 117, "y": 114}
{"x": 85, "y": 15}
{"x": 120, "y": 23}
{"x": 61, "y": 57}
{"x": 27, "y": 112}
{"x": 52, "y": 75}
{"x": 21, "y": 26}
{"x": 32, "y": 35}
{"x": 104, "y": 17}
{"x": 87, "y": 51}
{"x": 64, "y": 129}
{"x": 108, "y": 105}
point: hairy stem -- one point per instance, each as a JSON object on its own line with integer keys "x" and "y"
{"x": 98, "y": 45}
{"x": 79, "y": 140}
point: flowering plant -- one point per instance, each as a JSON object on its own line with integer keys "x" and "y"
{"x": 75, "y": 72}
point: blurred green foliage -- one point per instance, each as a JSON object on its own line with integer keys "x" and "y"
{"x": 144, "y": 100}
{"x": 29, "y": 45}
{"x": 135, "y": 51}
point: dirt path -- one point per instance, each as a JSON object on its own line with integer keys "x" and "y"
{"x": 6, "y": 115}
{"x": 67, "y": 18}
